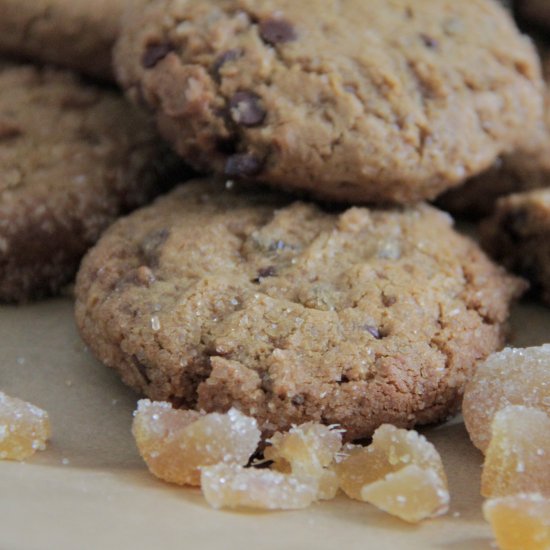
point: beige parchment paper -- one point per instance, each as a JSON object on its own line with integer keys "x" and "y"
{"x": 90, "y": 489}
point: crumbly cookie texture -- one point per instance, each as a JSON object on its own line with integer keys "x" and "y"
{"x": 215, "y": 298}
{"x": 366, "y": 101}
{"x": 73, "y": 157}
{"x": 518, "y": 235}
{"x": 524, "y": 170}
{"x": 78, "y": 34}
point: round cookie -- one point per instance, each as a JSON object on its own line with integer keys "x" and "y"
{"x": 352, "y": 101}
{"x": 214, "y": 297}
{"x": 73, "y": 157}
{"x": 78, "y": 34}
{"x": 523, "y": 170}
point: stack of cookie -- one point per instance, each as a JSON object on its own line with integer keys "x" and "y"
{"x": 237, "y": 289}
{"x": 514, "y": 194}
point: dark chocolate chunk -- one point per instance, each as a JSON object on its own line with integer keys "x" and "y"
{"x": 265, "y": 272}
{"x": 277, "y": 31}
{"x": 429, "y": 42}
{"x": 9, "y": 129}
{"x": 246, "y": 108}
{"x": 225, "y": 57}
{"x": 243, "y": 165}
{"x": 155, "y": 53}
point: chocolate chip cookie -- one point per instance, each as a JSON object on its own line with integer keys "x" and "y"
{"x": 78, "y": 34}
{"x": 526, "y": 169}
{"x": 73, "y": 157}
{"x": 518, "y": 235}
{"x": 351, "y": 101}
{"x": 215, "y": 297}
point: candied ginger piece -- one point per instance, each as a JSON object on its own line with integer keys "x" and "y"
{"x": 412, "y": 494}
{"x": 391, "y": 450}
{"x": 24, "y": 428}
{"x": 176, "y": 443}
{"x": 510, "y": 377}
{"x": 520, "y": 522}
{"x": 399, "y": 471}
{"x": 232, "y": 486}
{"x": 307, "y": 450}
{"x": 518, "y": 458}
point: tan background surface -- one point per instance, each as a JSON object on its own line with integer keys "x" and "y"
{"x": 91, "y": 490}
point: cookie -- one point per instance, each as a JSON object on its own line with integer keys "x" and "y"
{"x": 362, "y": 101}
{"x": 215, "y": 297}
{"x": 523, "y": 170}
{"x": 78, "y": 34}
{"x": 518, "y": 235}
{"x": 73, "y": 157}
{"x": 534, "y": 12}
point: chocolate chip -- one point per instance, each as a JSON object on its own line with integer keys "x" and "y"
{"x": 373, "y": 330}
{"x": 246, "y": 108}
{"x": 277, "y": 31}
{"x": 268, "y": 271}
{"x": 225, "y": 57}
{"x": 429, "y": 42}
{"x": 388, "y": 301}
{"x": 343, "y": 380}
{"x": 155, "y": 53}
{"x": 264, "y": 273}
{"x": 9, "y": 129}
{"x": 243, "y": 165}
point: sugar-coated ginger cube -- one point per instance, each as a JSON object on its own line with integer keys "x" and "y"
{"x": 307, "y": 450}
{"x": 232, "y": 486}
{"x": 518, "y": 457}
{"x": 520, "y": 522}
{"x": 399, "y": 471}
{"x": 24, "y": 428}
{"x": 412, "y": 494}
{"x": 510, "y": 377}
{"x": 176, "y": 443}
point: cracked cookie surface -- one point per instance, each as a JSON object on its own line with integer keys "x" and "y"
{"x": 73, "y": 157}
{"x": 347, "y": 100}
{"x": 213, "y": 298}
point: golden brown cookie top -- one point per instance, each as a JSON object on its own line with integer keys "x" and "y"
{"x": 349, "y": 100}
{"x": 217, "y": 297}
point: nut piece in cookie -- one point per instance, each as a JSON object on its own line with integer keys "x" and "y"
{"x": 365, "y": 102}
{"x": 291, "y": 313}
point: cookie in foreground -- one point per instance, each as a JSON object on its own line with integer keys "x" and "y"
{"x": 73, "y": 157}
{"x": 368, "y": 101}
{"x": 215, "y": 297}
